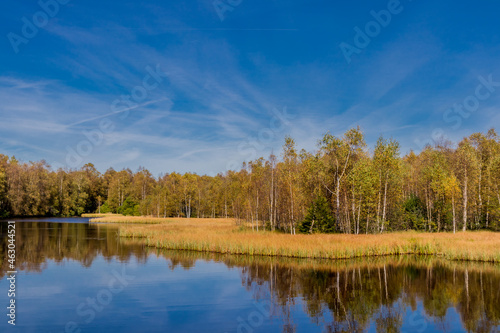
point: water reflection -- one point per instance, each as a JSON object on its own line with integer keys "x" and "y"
{"x": 378, "y": 294}
{"x": 36, "y": 242}
{"x": 351, "y": 296}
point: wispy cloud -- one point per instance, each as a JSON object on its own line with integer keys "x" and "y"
{"x": 224, "y": 78}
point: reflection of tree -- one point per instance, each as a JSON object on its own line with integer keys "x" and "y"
{"x": 389, "y": 319}
{"x": 355, "y": 293}
{"x": 342, "y": 296}
{"x": 186, "y": 264}
{"x": 37, "y": 242}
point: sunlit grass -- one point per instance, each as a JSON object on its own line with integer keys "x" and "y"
{"x": 224, "y": 236}
{"x": 119, "y": 218}
{"x": 101, "y": 215}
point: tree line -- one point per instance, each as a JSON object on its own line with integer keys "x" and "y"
{"x": 342, "y": 186}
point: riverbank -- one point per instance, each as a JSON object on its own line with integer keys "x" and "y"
{"x": 224, "y": 236}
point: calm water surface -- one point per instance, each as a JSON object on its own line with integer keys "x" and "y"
{"x": 76, "y": 277}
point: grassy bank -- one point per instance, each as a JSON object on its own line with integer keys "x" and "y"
{"x": 223, "y": 236}
{"x": 188, "y": 259}
{"x": 94, "y": 215}
{"x": 118, "y": 218}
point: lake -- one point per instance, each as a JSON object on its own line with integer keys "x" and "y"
{"x": 76, "y": 277}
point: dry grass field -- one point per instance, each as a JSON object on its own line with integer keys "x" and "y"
{"x": 224, "y": 236}
{"x": 92, "y": 215}
{"x": 118, "y": 218}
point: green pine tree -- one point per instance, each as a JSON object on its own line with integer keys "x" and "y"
{"x": 319, "y": 218}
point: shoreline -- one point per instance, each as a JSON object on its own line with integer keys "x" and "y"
{"x": 327, "y": 264}
{"x": 223, "y": 236}
{"x": 433, "y": 255}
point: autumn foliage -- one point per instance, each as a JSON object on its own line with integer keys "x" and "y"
{"x": 343, "y": 186}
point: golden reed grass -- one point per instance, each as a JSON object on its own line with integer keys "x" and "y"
{"x": 224, "y": 236}
{"x": 101, "y": 215}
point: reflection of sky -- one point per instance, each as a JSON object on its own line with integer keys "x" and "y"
{"x": 419, "y": 322}
{"x": 164, "y": 296}
{"x": 209, "y": 297}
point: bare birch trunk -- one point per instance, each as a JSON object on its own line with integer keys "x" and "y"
{"x": 385, "y": 206}
{"x": 453, "y": 210}
{"x": 465, "y": 203}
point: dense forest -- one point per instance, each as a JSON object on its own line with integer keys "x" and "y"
{"x": 343, "y": 186}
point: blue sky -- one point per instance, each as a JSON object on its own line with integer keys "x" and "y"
{"x": 225, "y": 84}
